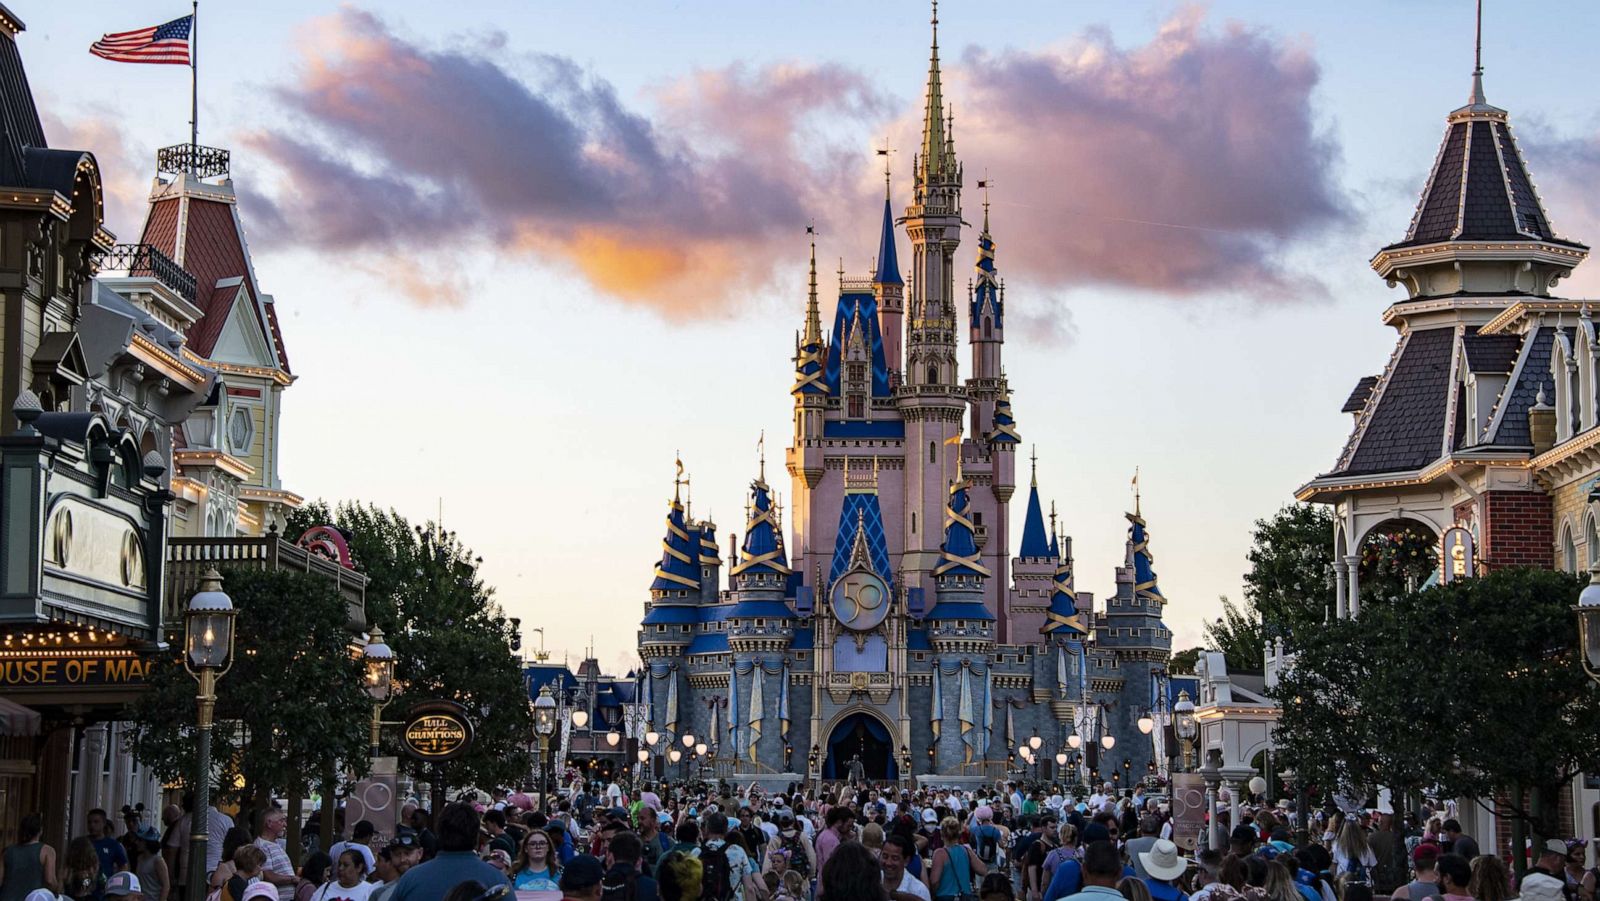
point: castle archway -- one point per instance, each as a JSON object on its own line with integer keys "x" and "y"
{"x": 861, "y": 733}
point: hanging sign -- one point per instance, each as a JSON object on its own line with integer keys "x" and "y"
{"x": 1456, "y": 557}
{"x": 436, "y": 731}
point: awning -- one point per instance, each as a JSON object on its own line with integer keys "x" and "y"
{"x": 16, "y": 719}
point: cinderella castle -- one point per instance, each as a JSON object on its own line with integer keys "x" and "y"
{"x": 891, "y": 632}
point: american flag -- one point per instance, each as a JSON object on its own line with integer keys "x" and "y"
{"x": 166, "y": 44}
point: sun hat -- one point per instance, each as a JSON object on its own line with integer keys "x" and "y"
{"x": 1162, "y": 860}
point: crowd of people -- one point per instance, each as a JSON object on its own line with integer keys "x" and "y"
{"x": 717, "y": 842}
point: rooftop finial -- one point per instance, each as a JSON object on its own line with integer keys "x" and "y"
{"x": 932, "y": 160}
{"x": 884, "y": 152}
{"x": 1136, "y": 511}
{"x": 677, "y": 479}
{"x": 985, "y": 184}
{"x": 1033, "y": 460}
{"x": 761, "y": 452}
{"x": 1477, "y": 63}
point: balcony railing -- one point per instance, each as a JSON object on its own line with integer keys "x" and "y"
{"x": 189, "y": 558}
{"x": 144, "y": 260}
{"x": 204, "y": 162}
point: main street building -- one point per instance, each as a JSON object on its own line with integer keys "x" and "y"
{"x": 892, "y": 621}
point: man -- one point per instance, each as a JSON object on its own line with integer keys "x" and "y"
{"x": 1102, "y": 869}
{"x": 1426, "y": 885}
{"x": 1389, "y": 849}
{"x": 456, "y": 861}
{"x": 656, "y": 843}
{"x": 176, "y": 850}
{"x": 1162, "y": 866}
{"x": 840, "y": 828}
{"x": 1210, "y": 861}
{"x": 624, "y": 880}
{"x": 688, "y": 836}
{"x": 755, "y": 838}
{"x": 360, "y": 841}
{"x": 1546, "y": 881}
{"x": 1242, "y": 841}
{"x": 1148, "y": 827}
{"x": 402, "y": 853}
{"x": 1033, "y": 857}
{"x": 726, "y": 869}
{"x": 986, "y": 836}
{"x": 113, "y": 857}
{"x": 277, "y": 870}
{"x": 1069, "y": 877}
{"x": 494, "y": 823}
{"x": 420, "y": 819}
{"x": 581, "y": 878}
{"x": 792, "y": 838}
{"x": 123, "y": 885}
{"x": 901, "y": 885}
{"x": 1459, "y": 843}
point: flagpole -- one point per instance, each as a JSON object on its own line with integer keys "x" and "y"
{"x": 194, "y": 83}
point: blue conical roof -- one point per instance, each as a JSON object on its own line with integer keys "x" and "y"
{"x": 762, "y": 552}
{"x": 1144, "y": 574}
{"x": 888, "y": 260}
{"x": 1035, "y": 543}
{"x": 1063, "y": 615}
{"x": 986, "y": 289}
{"x": 960, "y": 549}
{"x": 677, "y": 569}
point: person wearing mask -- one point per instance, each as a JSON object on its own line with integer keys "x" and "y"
{"x": 624, "y": 878}
{"x": 1162, "y": 866}
{"x": 1426, "y": 883}
{"x": 1102, "y": 870}
{"x": 897, "y": 881}
{"x": 28, "y": 865}
{"x": 454, "y": 864}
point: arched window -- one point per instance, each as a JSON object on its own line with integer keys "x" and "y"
{"x": 933, "y": 452}
{"x": 933, "y": 374}
{"x": 988, "y": 327}
{"x": 1569, "y": 551}
{"x": 913, "y": 522}
{"x": 1591, "y": 540}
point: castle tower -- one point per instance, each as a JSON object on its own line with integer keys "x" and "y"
{"x": 930, "y": 397}
{"x": 890, "y": 288}
{"x": 961, "y": 630}
{"x": 760, "y": 627}
{"x": 1031, "y": 570}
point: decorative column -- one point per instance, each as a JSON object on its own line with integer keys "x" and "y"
{"x": 1341, "y": 601}
{"x": 1354, "y": 563}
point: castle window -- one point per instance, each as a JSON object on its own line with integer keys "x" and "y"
{"x": 933, "y": 374}
{"x": 760, "y": 623}
{"x": 856, "y": 409}
{"x": 661, "y": 628}
{"x": 988, "y": 327}
{"x": 933, "y": 452}
{"x": 1569, "y": 551}
{"x": 913, "y": 522}
{"x": 977, "y": 519}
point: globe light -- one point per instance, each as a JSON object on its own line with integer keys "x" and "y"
{"x": 1108, "y": 741}
{"x": 1034, "y": 742}
{"x": 1061, "y": 758}
{"x": 1074, "y": 741}
{"x": 580, "y": 718}
{"x": 1146, "y": 724}
{"x": 674, "y": 755}
{"x": 612, "y": 738}
{"x": 644, "y": 756}
{"x": 651, "y": 737}
{"x": 1183, "y": 721}
{"x": 700, "y": 749}
{"x": 688, "y": 741}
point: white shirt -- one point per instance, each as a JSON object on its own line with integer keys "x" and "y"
{"x": 911, "y": 885}
{"x": 217, "y": 826}
{"x": 333, "y": 891}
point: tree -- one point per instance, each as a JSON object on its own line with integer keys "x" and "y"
{"x": 1182, "y": 663}
{"x": 1290, "y": 584}
{"x": 451, "y": 640}
{"x": 1238, "y": 635}
{"x": 293, "y": 703}
{"x": 1474, "y": 688}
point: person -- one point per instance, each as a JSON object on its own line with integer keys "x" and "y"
{"x": 113, "y": 857}
{"x": 755, "y": 838}
{"x": 897, "y": 881}
{"x": 350, "y": 879}
{"x": 1102, "y": 870}
{"x": 986, "y": 836}
{"x": 176, "y": 843}
{"x": 841, "y": 824}
{"x": 953, "y": 864}
{"x": 581, "y": 878}
{"x": 1352, "y": 854}
{"x": 315, "y": 870}
{"x": 1279, "y": 883}
{"x": 1545, "y": 880}
{"x": 247, "y": 863}
{"x": 1459, "y": 843}
{"x": 801, "y": 853}
{"x": 149, "y": 865}
{"x": 872, "y": 836}
{"x": 655, "y": 841}
{"x": 1133, "y": 888}
{"x": 1066, "y": 849}
{"x": 726, "y": 868}
{"x": 624, "y": 880}
{"x": 80, "y": 871}
{"x": 454, "y": 864}
{"x": 1162, "y": 866}
{"x": 236, "y": 838}
{"x": 28, "y": 865}
{"x": 361, "y": 838}
{"x": 688, "y": 842}
{"x": 996, "y": 887}
{"x": 1426, "y": 883}
{"x": 494, "y": 823}
{"x": 403, "y": 852}
{"x": 678, "y": 876}
{"x": 277, "y": 871}
{"x": 1149, "y": 826}
{"x": 535, "y": 869}
{"x": 123, "y": 884}
{"x": 473, "y": 890}
{"x": 1033, "y": 856}
{"x": 851, "y": 874}
{"x": 1389, "y": 849}
{"x": 1455, "y": 874}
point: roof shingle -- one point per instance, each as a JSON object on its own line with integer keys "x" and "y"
{"x": 1406, "y": 430}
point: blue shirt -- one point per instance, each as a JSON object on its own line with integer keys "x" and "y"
{"x": 434, "y": 879}
{"x": 1069, "y": 879}
{"x": 113, "y": 856}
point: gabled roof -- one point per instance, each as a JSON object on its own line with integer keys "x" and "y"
{"x": 1404, "y": 430}
{"x": 1510, "y": 419}
{"x": 860, "y": 511}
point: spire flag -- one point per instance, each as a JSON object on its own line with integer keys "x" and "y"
{"x": 757, "y": 702}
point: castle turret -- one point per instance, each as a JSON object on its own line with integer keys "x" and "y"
{"x": 986, "y": 331}
{"x": 890, "y": 288}
{"x": 675, "y": 594}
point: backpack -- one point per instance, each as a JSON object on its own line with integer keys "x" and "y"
{"x": 716, "y": 874}
{"x": 625, "y": 890}
{"x": 987, "y": 839}
{"x": 798, "y": 861}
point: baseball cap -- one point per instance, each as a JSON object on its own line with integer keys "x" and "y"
{"x": 582, "y": 872}
{"x": 405, "y": 837}
{"x": 1555, "y": 846}
{"x": 125, "y": 883}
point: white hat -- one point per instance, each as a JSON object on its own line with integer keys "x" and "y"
{"x": 1162, "y": 860}
{"x": 123, "y": 883}
{"x": 41, "y": 894}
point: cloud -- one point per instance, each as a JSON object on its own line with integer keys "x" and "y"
{"x": 1149, "y": 167}
{"x": 1042, "y": 322}
{"x": 1185, "y": 166}
{"x": 1566, "y": 168}
{"x": 125, "y": 168}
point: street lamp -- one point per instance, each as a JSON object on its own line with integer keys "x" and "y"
{"x": 1061, "y": 758}
{"x": 1588, "y": 610}
{"x": 688, "y": 741}
{"x": 1074, "y": 741}
{"x": 208, "y": 654}
{"x": 1034, "y": 742}
{"x": 674, "y": 756}
{"x": 1184, "y": 725}
{"x": 379, "y": 660}
{"x": 580, "y": 718}
{"x": 651, "y": 737}
{"x": 1108, "y": 741}
{"x": 905, "y": 762}
{"x": 613, "y": 737}
{"x": 544, "y": 723}
{"x": 1146, "y": 723}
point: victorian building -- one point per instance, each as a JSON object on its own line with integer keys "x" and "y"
{"x": 890, "y": 615}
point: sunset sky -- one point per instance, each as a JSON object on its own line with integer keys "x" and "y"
{"x": 524, "y": 252}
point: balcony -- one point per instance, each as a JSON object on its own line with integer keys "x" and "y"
{"x": 145, "y": 261}
{"x": 189, "y": 558}
{"x": 203, "y": 162}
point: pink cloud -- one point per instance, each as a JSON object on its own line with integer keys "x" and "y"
{"x": 1566, "y": 169}
{"x": 125, "y": 168}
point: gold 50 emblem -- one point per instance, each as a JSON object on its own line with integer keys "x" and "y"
{"x": 860, "y": 600}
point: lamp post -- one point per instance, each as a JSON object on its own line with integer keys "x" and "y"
{"x": 1184, "y": 725}
{"x": 905, "y": 763}
{"x": 1588, "y": 611}
{"x": 208, "y": 653}
{"x": 379, "y": 659}
{"x": 814, "y": 765}
{"x": 674, "y": 756}
{"x": 544, "y": 724}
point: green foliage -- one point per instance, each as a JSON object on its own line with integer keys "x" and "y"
{"x": 1237, "y": 633}
{"x": 293, "y": 703}
{"x": 1474, "y": 688}
{"x": 1396, "y": 558}
{"x": 1182, "y": 663}
{"x": 1290, "y": 585}
{"x": 450, "y": 638}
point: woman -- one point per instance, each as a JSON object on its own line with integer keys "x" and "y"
{"x": 247, "y": 863}
{"x": 149, "y": 865}
{"x": 953, "y": 864}
{"x": 852, "y": 874}
{"x": 872, "y": 838}
{"x": 1067, "y": 850}
{"x": 1490, "y": 881}
{"x": 1353, "y": 859}
{"x": 313, "y": 874}
{"x": 236, "y": 838}
{"x": 1279, "y": 884}
{"x": 29, "y": 864}
{"x": 80, "y": 871}
{"x": 350, "y": 882}
{"x": 536, "y": 869}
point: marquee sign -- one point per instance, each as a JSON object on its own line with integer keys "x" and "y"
{"x": 1457, "y": 559}
{"x": 436, "y": 731}
{"x": 25, "y": 670}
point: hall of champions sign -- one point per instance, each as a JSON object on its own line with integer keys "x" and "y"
{"x": 72, "y": 671}
{"x": 436, "y": 731}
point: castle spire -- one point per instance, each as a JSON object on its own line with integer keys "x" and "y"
{"x": 959, "y": 553}
{"x": 933, "y": 121}
{"x": 1034, "y": 541}
{"x": 888, "y": 259}
{"x": 762, "y": 551}
{"x": 808, "y": 374}
{"x": 1144, "y": 575}
{"x": 676, "y": 569}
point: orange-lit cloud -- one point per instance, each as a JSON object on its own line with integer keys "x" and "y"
{"x": 125, "y": 169}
